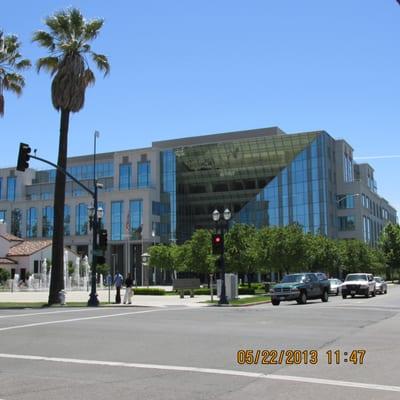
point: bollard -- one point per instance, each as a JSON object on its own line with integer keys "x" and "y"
{"x": 61, "y": 296}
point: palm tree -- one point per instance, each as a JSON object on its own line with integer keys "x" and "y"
{"x": 68, "y": 44}
{"x": 10, "y": 62}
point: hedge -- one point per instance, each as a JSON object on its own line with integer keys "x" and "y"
{"x": 149, "y": 291}
{"x": 247, "y": 290}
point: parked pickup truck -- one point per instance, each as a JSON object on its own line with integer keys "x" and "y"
{"x": 300, "y": 287}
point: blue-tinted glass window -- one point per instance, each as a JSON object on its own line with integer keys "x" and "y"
{"x": 31, "y": 222}
{"x": 67, "y": 220}
{"x": 125, "y": 172}
{"x": 1, "y": 184}
{"x": 11, "y": 186}
{"x": 116, "y": 220}
{"x": 3, "y": 215}
{"x": 143, "y": 174}
{"x": 135, "y": 211}
{"x": 156, "y": 208}
{"x": 345, "y": 201}
{"x": 47, "y": 221}
{"x": 347, "y": 223}
{"x": 81, "y": 219}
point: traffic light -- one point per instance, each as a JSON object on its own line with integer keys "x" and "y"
{"x": 103, "y": 239}
{"x": 100, "y": 260}
{"x": 23, "y": 157}
{"x": 217, "y": 243}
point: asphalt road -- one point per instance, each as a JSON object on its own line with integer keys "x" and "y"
{"x": 191, "y": 353}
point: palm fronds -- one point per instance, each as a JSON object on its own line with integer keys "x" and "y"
{"x": 67, "y": 41}
{"x": 11, "y": 61}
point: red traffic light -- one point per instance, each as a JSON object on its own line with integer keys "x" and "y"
{"x": 217, "y": 243}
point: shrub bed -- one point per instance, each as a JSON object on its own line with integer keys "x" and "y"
{"x": 246, "y": 290}
{"x": 149, "y": 291}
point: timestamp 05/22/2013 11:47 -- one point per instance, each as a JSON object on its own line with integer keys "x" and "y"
{"x": 300, "y": 357}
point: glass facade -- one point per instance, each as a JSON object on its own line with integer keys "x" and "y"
{"x": 47, "y": 221}
{"x": 135, "y": 215}
{"x": 168, "y": 197}
{"x": 3, "y": 215}
{"x": 1, "y": 186}
{"x": 125, "y": 176}
{"x": 267, "y": 180}
{"x": 298, "y": 194}
{"x": 143, "y": 174}
{"x": 31, "y": 222}
{"x": 348, "y": 170}
{"x": 67, "y": 220}
{"x": 81, "y": 219}
{"x": 116, "y": 220}
{"x": 11, "y": 187}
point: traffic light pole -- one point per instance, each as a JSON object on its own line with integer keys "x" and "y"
{"x": 92, "y": 193}
{"x": 93, "y": 300}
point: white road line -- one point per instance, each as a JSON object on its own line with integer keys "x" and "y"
{"x": 301, "y": 379}
{"x": 8, "y": 328}
{"x": 50, "y": 312}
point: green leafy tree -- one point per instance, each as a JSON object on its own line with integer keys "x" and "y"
{"x": 71, "y": 268}
{"x": 161, "y": 257}
{"x": 68, "y": 44}
{"x": 390, "y": 246}
{"x": 4, "y": 275}
{"x": 180, "y": 255}
{"x": 102, "y": 269}
{"x": 356, "y": 256}
{"x": 288, "y": 250}
{"x": 198, "y": 253}
{"x": 323, "y": 254}
{"x": 240, "y": 255}
{"x": 11, "y": 63}
{"x": 261, "y": 247}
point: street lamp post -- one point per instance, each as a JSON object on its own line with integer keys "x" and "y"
{"x": 222, "y": 225}
{"x": 95, "y": 216}
{"x": 153, "y": 235}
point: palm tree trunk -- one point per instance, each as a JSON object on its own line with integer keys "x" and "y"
{"x": 57, "y": 254}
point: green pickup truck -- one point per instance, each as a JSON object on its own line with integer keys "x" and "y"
{"x": 301, "y": 287}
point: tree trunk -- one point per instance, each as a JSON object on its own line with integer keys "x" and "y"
{"x": 57, "y": 254}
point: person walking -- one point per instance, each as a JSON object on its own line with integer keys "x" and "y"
{"x": 128, "y": 290}
{"x": 118, "y": 280}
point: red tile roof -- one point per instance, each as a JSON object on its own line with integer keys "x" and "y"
{"x": 28, "y": 247}
{"x": 11, "y": 238}
{"x": 6, "y": 261}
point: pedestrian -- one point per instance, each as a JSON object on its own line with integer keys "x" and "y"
{"x": 118, "y": 280}
{"x": 128, "y": 290}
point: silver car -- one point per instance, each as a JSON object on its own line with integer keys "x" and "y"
{"x": 336, "y": 285}
{"x": 381, "y": 285}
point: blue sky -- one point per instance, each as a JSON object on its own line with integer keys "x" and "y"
{"x": 185, "y": 68}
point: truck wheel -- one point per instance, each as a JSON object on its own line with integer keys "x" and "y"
{"x": 303, "y": 298}
{"x": 374, "y": 293}
{"x": 344, "y": 296}
{"x": 275, "y": 302}
{"x": 325, "y": 296}
{"x": 367, "y": 294}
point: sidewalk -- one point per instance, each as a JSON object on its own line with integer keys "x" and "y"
{"x": 103, "y": 295}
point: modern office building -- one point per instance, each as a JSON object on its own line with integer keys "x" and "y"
{"x": 164, "y": 192}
